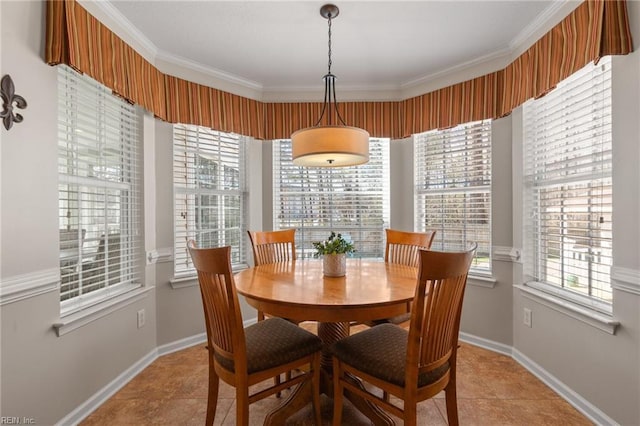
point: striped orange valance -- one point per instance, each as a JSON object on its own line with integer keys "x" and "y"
{"x": 594, "y": 29}
{"x": 194, "y": 103}
{"x": 77, "y": 39}
{"x": 471, "y": 100}
{"x": 380, "y": 119}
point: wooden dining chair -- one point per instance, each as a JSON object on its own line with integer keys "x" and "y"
{"x": 244, "y": 357}
{"x": 412, "y": 365}
{"x": 402, "y": 248}
{"x": 273, "y": 246}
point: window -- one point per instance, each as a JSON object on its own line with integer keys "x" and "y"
{"x": 353, "y": 201}
{"x": 568, "y": 188}
{"x": 453, "y": 188}
{"x": 209, "y": 193}
{"x": 99, "y": 192}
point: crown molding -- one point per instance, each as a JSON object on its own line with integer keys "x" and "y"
{"x": 131, "y": 32}
{"x": 347, "y": 94}
{"x": 287, "y": 94}
{"x": 540, "y": 23}
{"x": 500, "y": 54}
{"x": 203, "y": 69}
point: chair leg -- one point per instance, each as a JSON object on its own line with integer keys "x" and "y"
{"x": 315, "y": 381}
{"x": 410, "y": 411}
{"x": 452, "y": 403}
{"x": 212, "y": 398}
{"x": 276, "y": 381}
{"x": 337, "y": 393}
{"x": 242, "y": 405}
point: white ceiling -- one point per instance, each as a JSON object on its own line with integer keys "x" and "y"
{"x": 283, "y": 45}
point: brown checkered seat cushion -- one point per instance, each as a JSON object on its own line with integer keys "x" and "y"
{"x": 393, "y": 320}
{"x": 274, "y": 342}
{"x": 381, "y": 351}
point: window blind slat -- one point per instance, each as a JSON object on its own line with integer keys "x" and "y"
{"x": 209, "y": 193}
{"x": 568, "y": 187}
{"x": 99, "y": 192}
{"x": 453, "y": 188}
{"x": 353, "y": 201}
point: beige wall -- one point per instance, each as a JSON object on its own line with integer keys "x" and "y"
{"x": 179, "y": 306}
{"x": 43, "y": 376}
{"x": 602, "y": 369}
{"x": 47, "y": 377}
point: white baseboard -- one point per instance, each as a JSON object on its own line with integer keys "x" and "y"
{"x": 100, "y": 397}
{"x": 181, "y": 344}
{"x": 578, "y": 402}
{"x": 592, "y": 412}
{"x": 486, "y": 344}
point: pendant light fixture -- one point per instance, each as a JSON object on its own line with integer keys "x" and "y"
{"x": 331, "y": 145}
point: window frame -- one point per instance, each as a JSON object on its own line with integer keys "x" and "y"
{"x": 432, "y": 152}
{"x": 331, "y": 183}
{"x": 601, "y": 147}
{"x": 206, "y": 146}
{"x": 94, "y": 127}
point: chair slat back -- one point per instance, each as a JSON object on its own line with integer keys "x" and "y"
{"x": 402, "y": 247}
{"x": 225, "y": 332}
{"x": 273, "y": 246}
{"x": 437, "y": 306}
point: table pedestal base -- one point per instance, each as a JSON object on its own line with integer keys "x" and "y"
{"x": 329, "y": 332}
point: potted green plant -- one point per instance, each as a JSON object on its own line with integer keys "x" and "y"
{"x": 334, "y": 254}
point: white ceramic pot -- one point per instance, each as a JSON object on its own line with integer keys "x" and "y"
{"x": 334, "y": 265}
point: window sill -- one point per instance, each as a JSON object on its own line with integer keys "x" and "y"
{"x": 183, "y": 281}
{"x": 569, "y": 308}
{"x": 191, "y": 279}
{"x": 73, "y": 321}
{"x": 481, "y": 280}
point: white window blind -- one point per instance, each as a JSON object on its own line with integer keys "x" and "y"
{"x": 99, "y": 192}
{"x": 453, "y": 188}
{"x": 209, "y": 193}
{"x": 568, "y": 186}
{"x": 353, "y": 201}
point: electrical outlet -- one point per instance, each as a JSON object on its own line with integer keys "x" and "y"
{"x": 141, "y": 318}
{"x": 527, "y": 317}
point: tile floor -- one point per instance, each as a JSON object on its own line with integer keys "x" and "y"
{"x": 493, "y": 390}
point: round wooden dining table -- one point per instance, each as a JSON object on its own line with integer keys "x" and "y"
{"x": 298, "y": 290}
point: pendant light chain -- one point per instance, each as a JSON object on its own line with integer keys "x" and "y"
{"x": 329, "y": 145}
{"x": 329, "y": 66}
